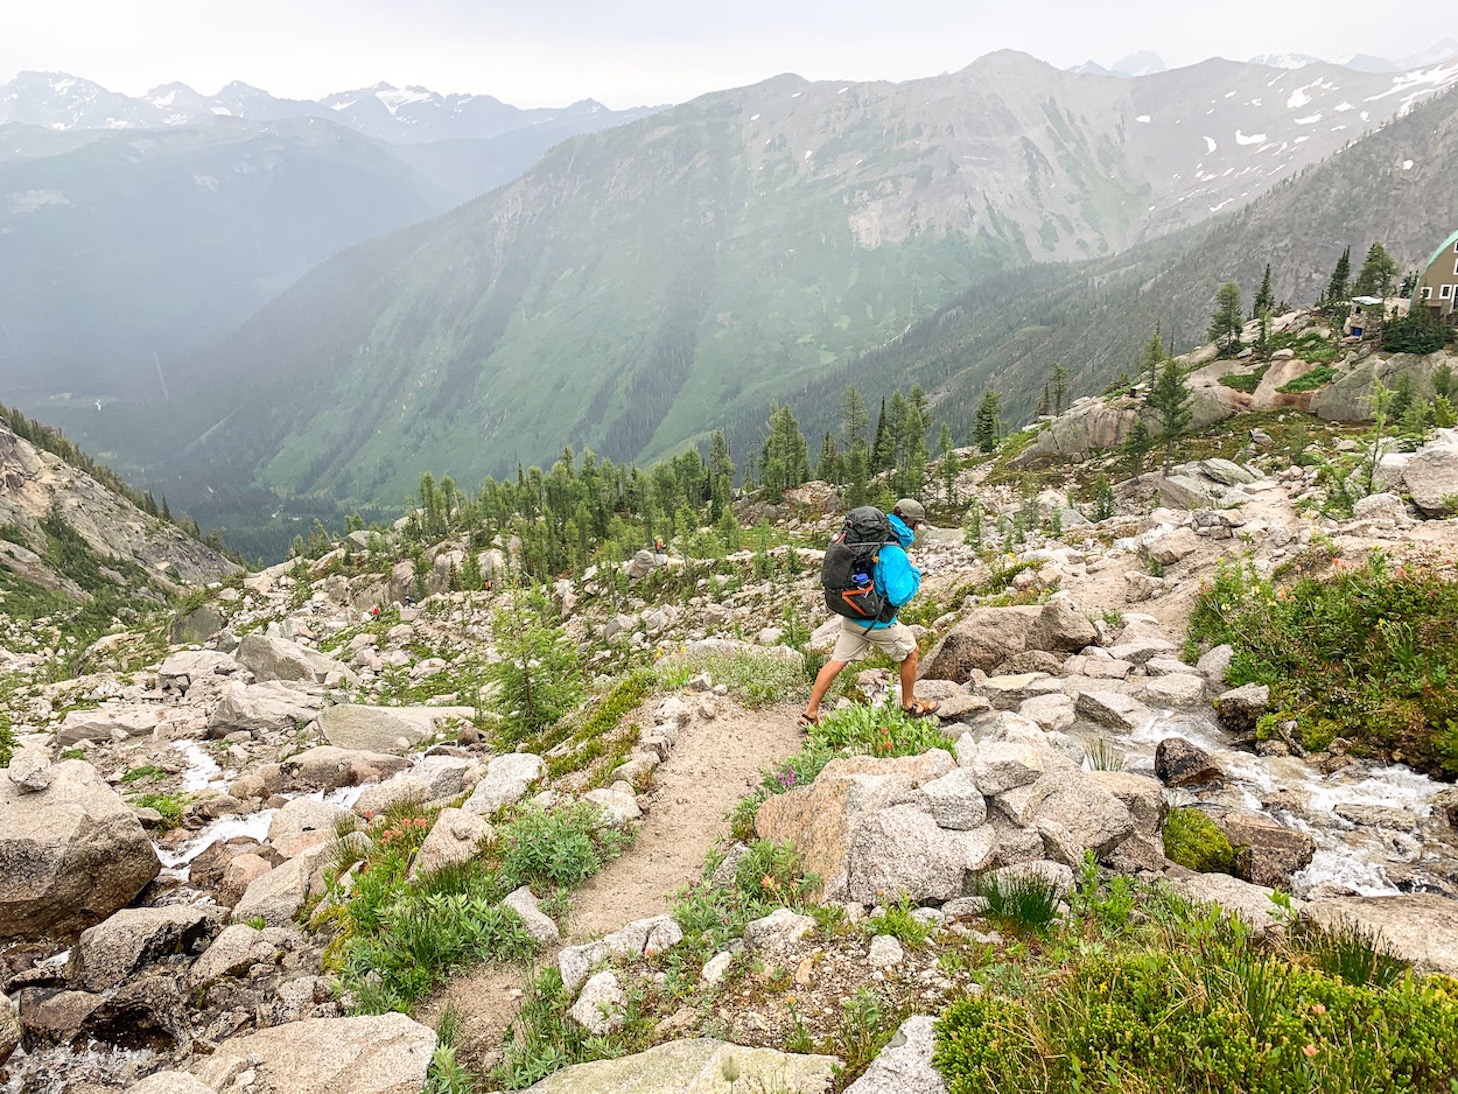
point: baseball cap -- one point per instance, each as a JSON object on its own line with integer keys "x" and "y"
{"x": 910, "y": 509}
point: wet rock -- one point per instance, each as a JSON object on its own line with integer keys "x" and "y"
{"x": 1377, "y": 816}
{"x": 70, "y": 855}
{"x": 1178, "y": 762}
{"x": 1112, "y": 709}
{"x": 1240, "y": 707}
{"x": 384, "y": 1054}
{"x": 694, "y": 1064}
{"x": 601, "y": 1008}
{"x": 329, "y": 768}
{"x": 1445, "y": 805}
{"x": 304, "y": 823}
{"x": 505, "y": 782}
{"x": 904, "y": 1066}
{"x": 111, "y": 951}
{"x": 51, "y": 1017}
{"x": 1266, "y": 853}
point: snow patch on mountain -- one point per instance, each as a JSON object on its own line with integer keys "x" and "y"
{"x": 1255, "y": 138}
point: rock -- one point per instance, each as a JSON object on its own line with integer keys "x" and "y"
{"x": 602, "y": 1006}
{"x": 1240, "y": 707}
{"x": 1140, "y": 587}
{"x": 1009, "y": 692}
{"x": 50, "y": 1017}
{"x": 9, "y": 1028}
{"x": 1110, "y": 708}
{"x": 901, "y": 850}
{"x": 999, "y": 766}
{"x": 1226, "y": 472}
{"x": 953, "y": 801}
{"x": 170, "y": 1082}
{"x": 304, "y": 823}
{"x": 403, "y": 789}
{"x": 70, "y": 855}
{"x": 186, "y": 667}
{"x": 110, "y": 721}
{"x": 904, "y": 1066}
{"x": 694, "y": 1066}
{"x": 112, "y": 950}
{"x": 240, "y": 873}
{"x": 1058, "y": 876}
{"x": 1061, "y": 628}
{"x": 1178, "y": 762}
{"x": 505, "y": 782}
{"x": 329, "y": 768}
{"x": 271, "y": 707}
{"x": 378, "y": 729}
{"x": 383, "y": 1054}
{"x": 1445, "y": 805}
{"x": 1015, "y": 843}
{"x": 196, "y": 627}
{"x": 885, "y": 951}
{"x": 455, "y": 838}
{"x": 1140, "y": 651}
{"x": 538, "y": 925}
{"x": 820, "y": 819}
{"x": 1053, "y": 711}
{"x": 1141, "y": 795}
{"x": 1377, "y": 816}
{"x": 280, "y": 659}
{"x": 1174, "y": 690}
{"x": 1266, "y": 853}
{"x": 617, "y": 803}
{"x": 984, "y": 639}
{"x": 649, "y": 937}
{"x": 715, "y": 968}
{"x": 1183, "y": 492}
{"x": 644, "y": 563}
{"x": 1381, "y": 507}
{"x": 1420, "y": 928}
{"x": 1431, "y": 478}
{"x": 1170, "y": 547}
{"x": 1251, "y": 904}
{"x": 778, "y": 931}
{"x": 276, "y": 896}
{"x": 29, "y": 770}
{"x": 236, "y": 950}
{"x": 1215, "y": 664}
{"x": 1074, "y": 814}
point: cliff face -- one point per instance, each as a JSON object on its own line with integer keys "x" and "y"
{"x": 37, "y": 489}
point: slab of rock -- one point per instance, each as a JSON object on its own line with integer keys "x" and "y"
{"x": 1061, "y": 628}
{"x": 1178, "y": 762}
{"x": 1214, "y": 664}
{"x": 170, "y": 1082}
{"x": 999, "y": 766}
{"x": 1421, "y": 928}
{"x": 694, "y": 1066}
{"x": 539, "y": 925}
{"x": 270, "y": 707}
{"x": 1174, "y": 690}
{"x": 186, "y": 667}
{"x": 378, "y": 729}
{"x": 70, "y": 855}
{"x": 198, "y": 625}
{"x": 901, "y": 850}
{"x": 9, "y": 1027}
{"x": 1074, "y": 814}
{"x": 821, "y": 819}
{"x": 277, "y": 896}
{"x": 1431, "y": 478}
{"x": 904, "y": 1066}
{"x": 1377, "y": 816}
{"x": 505, "y": 782}
{"x": 29, "y": 770}
{"x": 1139, "y": 651}
{"x": 602, "y": 1006}
{"x": 111, "y": 951}
{"x": 1009, "y": 692}
{"x": 456, "y": 837}
{"x": 1170, "y": 547}
{"x": 279, "y": 659}
{"x": 329, "y": 768}
{"x": 778, "y": 931}
{"x": 383, "y": 1054}
{"x": 648, "y": 937}
{"x": 115, "y": 721}
{"x": 1184, "y": 492}
{"x": 1049, "y": 711}
{"x": 1112, "y": 709}
{"x": 984, "y": 639}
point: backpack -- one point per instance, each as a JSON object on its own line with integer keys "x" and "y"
{"x": 848, "y": 572}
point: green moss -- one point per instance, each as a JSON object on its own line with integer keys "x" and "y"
{"x": 1192, "y": 840}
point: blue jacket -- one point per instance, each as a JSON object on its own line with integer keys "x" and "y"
{"x": 896, "y": 578}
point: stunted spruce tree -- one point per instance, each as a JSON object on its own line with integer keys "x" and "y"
{"x": 1377, "y": 274}
{"x": 785, "y": 460}
{"x": 1227, "y": 319}
{"x": 1170, "y": 402}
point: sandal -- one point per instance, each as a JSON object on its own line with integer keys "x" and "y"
{"x": 806, "y": 720}
{"x": 921, "y": 708}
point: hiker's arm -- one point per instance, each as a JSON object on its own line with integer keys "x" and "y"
{"x": 901, "y": 577}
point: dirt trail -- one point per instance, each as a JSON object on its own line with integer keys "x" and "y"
{"x": 714, "y": 764}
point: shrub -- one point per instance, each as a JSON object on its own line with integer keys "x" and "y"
{"x": 1319, "y": 376}
{"x": 1368, "y": 653}
{"x": 560, "y": 847}
{"x": 879, "y": 731}
{"x": 1192, "y": 840}
{"x": 1245, "y": 381}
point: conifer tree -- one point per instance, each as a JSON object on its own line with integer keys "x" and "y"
{"x": 1265, "y": 299}
{"x": 1170, "y": 402}
{"x": 1377, "y": 274}
{"x": 1227, "y": 319}
{"x": 721, "y": 474}
{"x": 1151, "y": 358}
{"x": 1060, "y": 388}
{"x": 1337, "y": 289}
{"x": 987, "y": 429}
{"x": 949, "y": 466}
{"x": 883, "y": 450}
{"x": 785, "y": 457}
{"x": 853, "y": 416}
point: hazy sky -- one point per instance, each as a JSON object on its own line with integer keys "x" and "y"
{"x": 635, "y": 52}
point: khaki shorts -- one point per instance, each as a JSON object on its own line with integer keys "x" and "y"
{"x": 895, "y": 641}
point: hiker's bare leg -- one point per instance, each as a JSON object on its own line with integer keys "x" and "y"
{"x": 823, "y": 679}
{"x": 908, "y": 678}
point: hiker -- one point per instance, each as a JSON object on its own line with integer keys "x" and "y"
{"x": 893, "y": 582}
{"x": 658, "y": 546}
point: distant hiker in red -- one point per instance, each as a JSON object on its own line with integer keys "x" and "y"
{"x": 375, "y": 612}
{"x": 658, "y": 546}
{"x": 877, "y": 581}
